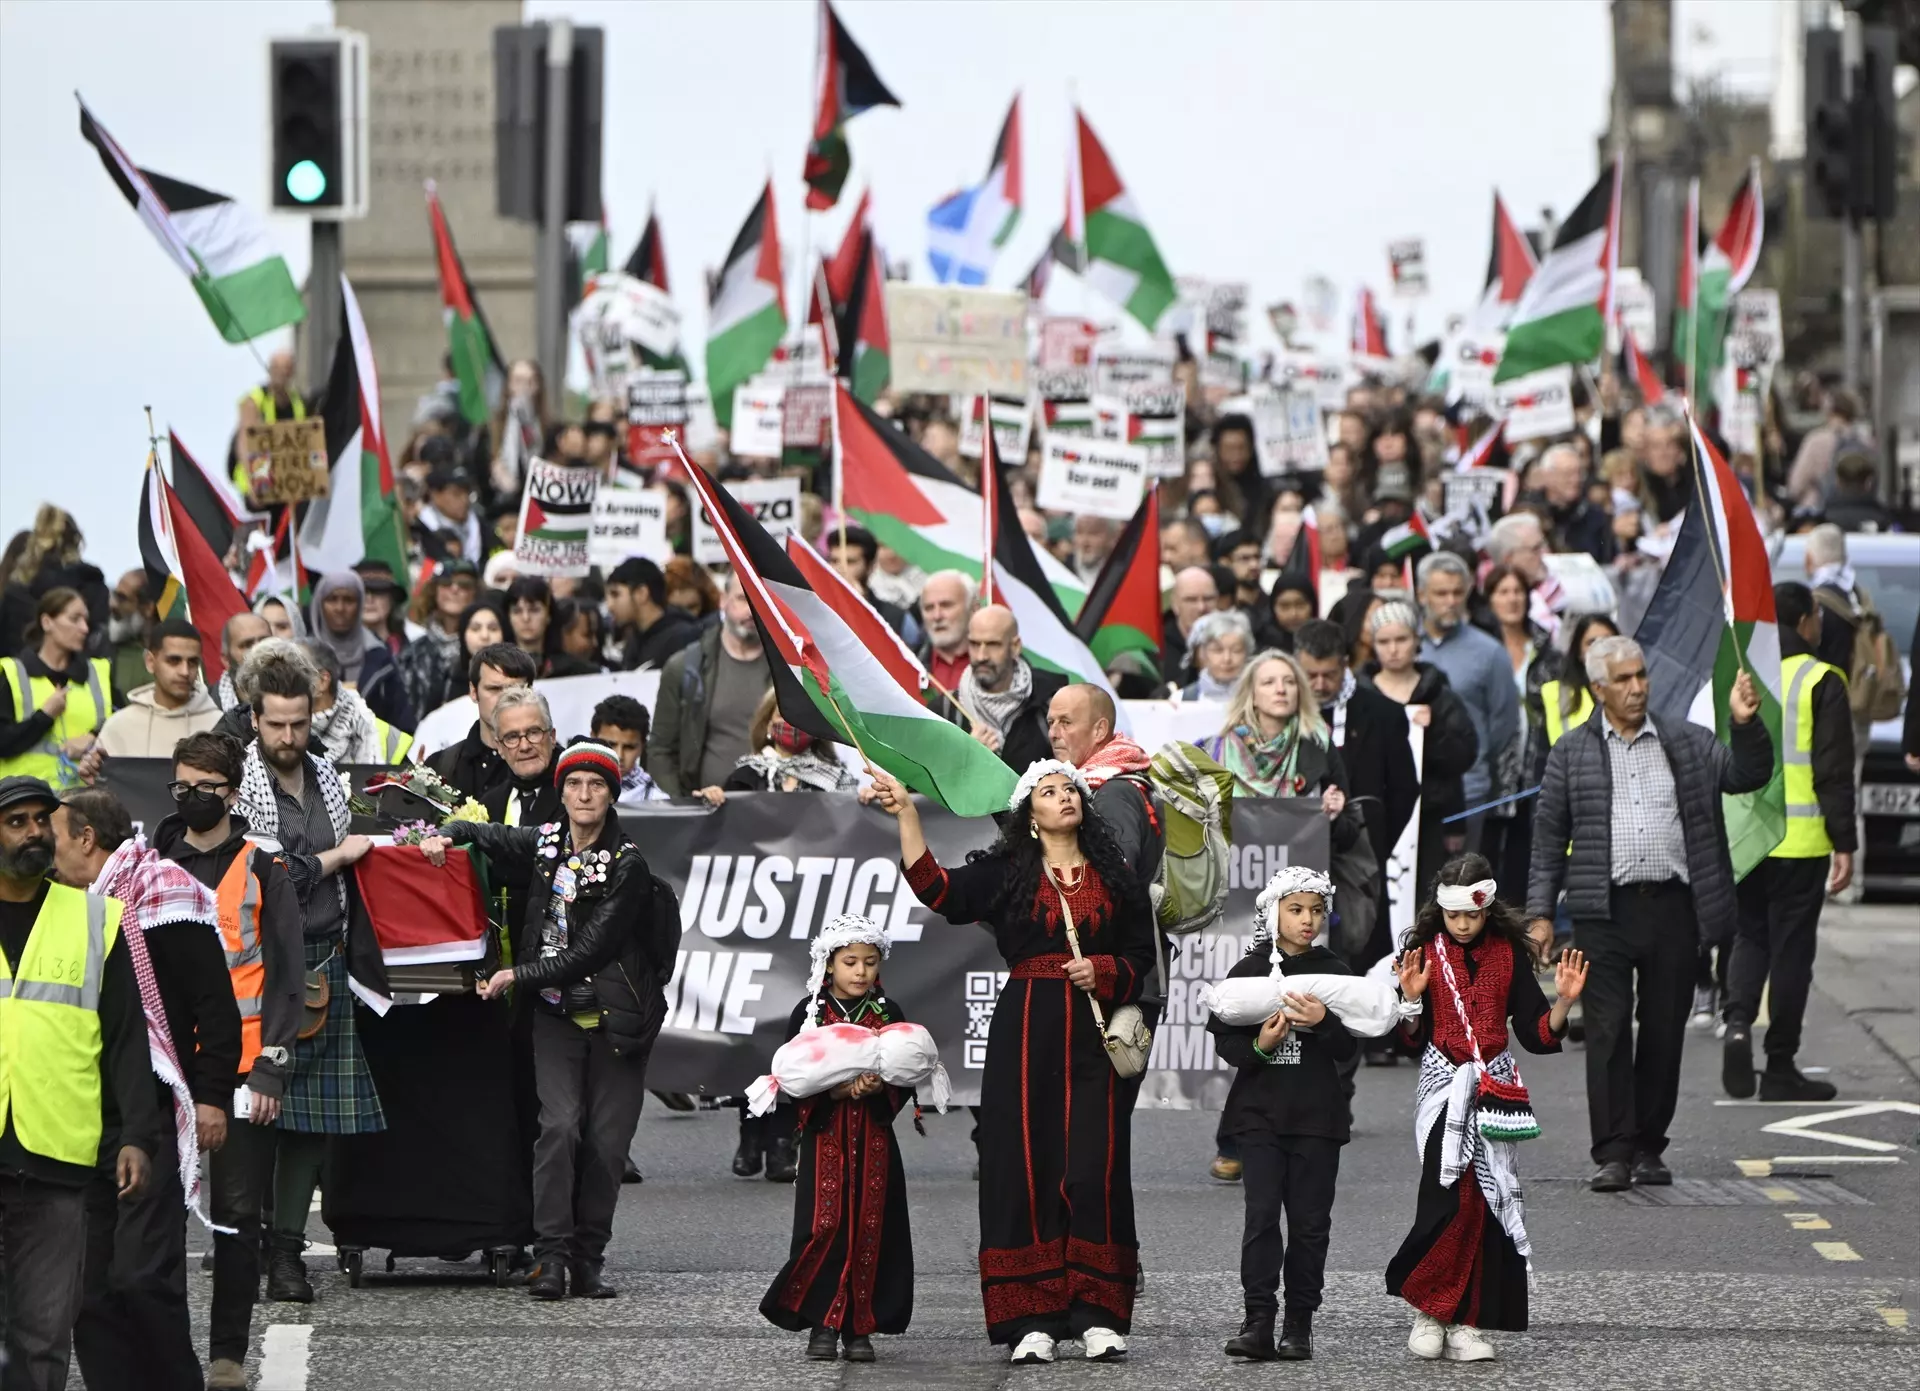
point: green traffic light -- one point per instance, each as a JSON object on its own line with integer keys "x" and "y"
{"x": 306, "y": 182}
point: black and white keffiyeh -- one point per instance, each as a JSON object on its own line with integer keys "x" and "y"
{"x": 1455, "y": 1088}
{"x": 261, "y": 809}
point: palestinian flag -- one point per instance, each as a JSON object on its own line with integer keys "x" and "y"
{"x": 1647, "y": 381}
{"x": 1407, "y": 538}
{"x": 649, "y": 259}
{"x": 1122, "y": 612}
{"x": 862, "y": 346}
{"x": 1510, "y": 265}
{"x": 182, "y": 568}
{"x": 747, "y": 312}
{"x": 1303, "y": 557}
{"x": 360, "y": 517}
{"x": 1480, "y": 453}
{"x": 1711, "y": 616}
{"x": 1369, "y": 329}
{"x": 910, "y": 501}
{"x": 209, "y": 498}
{"x": 1563, "y": 312}
{"x": 223, "y": 248}
{"x": 470, "y": 343}
{"x": 1105, "y": 239}
{"x": 1041, "y": 275}
{"x": 848, "y": 86}
{"x": 264, "y": 549}
{"x": 839, "y": 672}
{"x": 1711, "y": 273}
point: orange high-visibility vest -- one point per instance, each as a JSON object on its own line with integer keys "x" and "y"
{"x": 239, "y": 903}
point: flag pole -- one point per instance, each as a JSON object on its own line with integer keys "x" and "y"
{"x": 1713, "y": 540}
{"x": 989, "y": 499}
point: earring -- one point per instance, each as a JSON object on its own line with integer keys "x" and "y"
{"x": 1033, "y": 830}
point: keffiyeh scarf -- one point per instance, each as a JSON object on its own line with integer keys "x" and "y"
{"x": 997, "y": 708}
{"x": 1336, "y": 713}
{"x": 155, "y": 891}
{"x": 816, "y": 772}
{"x": 1455, "y": 1088}
{"x": 258, "y": 805}
{"x": 1118, "y": 755}
{"x": 346, "y": 731}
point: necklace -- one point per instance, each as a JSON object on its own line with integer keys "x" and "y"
{"x": 1058, "y": 873}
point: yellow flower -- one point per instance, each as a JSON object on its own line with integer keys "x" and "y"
{"x": 469, "y": 810}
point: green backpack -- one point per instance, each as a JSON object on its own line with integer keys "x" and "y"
{"x": 1194, "y": 796}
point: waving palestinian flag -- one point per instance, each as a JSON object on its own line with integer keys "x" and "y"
{"x": 1510, "y": 265}
{"x": 1563, "y": 313}
{"x": 649, "y": 259}
{"x": 1122, "y": 612}
{"x": 848, "y": 86}
{"x": 1647, "y": 381}
{"x": 470, "y": 344}
{"x": 360, "y": 516}
{"x": 747, "y": 311}
{"x": 1711, "y": 274}
{"x": 840, "y": 673}
{"x": 1105, "y": 239}
{"x": 182, "y": 568}
{"x": 855, "y": 281}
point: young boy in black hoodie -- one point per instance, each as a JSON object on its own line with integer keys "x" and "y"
{"x": 1289, "y": 1114}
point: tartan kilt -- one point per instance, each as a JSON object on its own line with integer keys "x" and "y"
{"x": 331, "y": 1091}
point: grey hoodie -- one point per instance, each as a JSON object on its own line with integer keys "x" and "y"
{"x": 144, "y": 730}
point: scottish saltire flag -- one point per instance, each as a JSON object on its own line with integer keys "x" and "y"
{"x": 966, "y": 228}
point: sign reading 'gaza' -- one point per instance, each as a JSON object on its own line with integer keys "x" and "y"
{"x": 773, "y": 502}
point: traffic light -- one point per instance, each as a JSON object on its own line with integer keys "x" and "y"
{"x": 1850, "y": 141}
{"x": 318, "y": 88}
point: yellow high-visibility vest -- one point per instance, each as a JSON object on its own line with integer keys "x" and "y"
{"x": 394, "y": 743}
{"x": 87, "y": 709}
{"x": 1558, "y": 724}
{"x": 1806, "y": 837}
{"x": 269, "y": 414}
{"x": 50, "y": 1026}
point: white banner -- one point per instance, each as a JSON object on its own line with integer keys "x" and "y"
{"x": 774, "y": 503}
{"x": 758, "y": 421}
{"x": 556, "y": 519}
{"x": 1091, "y": 476}
{"x": 628, "y": 522}
{"x": 1012, "y": 428}
{"x": 1536, "y": 405}
{"x": 1116, "y": 366}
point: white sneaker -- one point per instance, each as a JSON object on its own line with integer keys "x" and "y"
{"x": 1466, "y": 1343}
{"x": 1429, "y": 1336}
{"x": 1032, "y": 1349}
{"x": 1103, "y": 1344}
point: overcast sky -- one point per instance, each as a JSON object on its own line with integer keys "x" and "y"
{"x": 1265, "y": 142}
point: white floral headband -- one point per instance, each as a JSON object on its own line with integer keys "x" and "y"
{"x": 1046, "y": 767}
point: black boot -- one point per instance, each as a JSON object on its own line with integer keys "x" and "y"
{"x": 823, "y": 1345}
{"x": 1736, "y": 1061}
{"x": 1254, "y": 1341}
{"x": 859, "y": 1347}
{"x": 782, "y": 1166}
{"x": 746, "y": 1159}
{"x": 1782, "y": 1081}
{"x": 287, "y": 1273}
{"x": 548, "y": 1279}
{"x": 1296, "y": 1336}
{"x": 590, "y": 1283}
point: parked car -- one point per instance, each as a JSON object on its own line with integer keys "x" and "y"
{"x": 1887, "y": 566}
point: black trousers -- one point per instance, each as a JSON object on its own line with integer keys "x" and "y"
{"x": 589, "y": 1107}
{"x": 1295, "y": 1173}
{"x": 1780, "y": 904}
{"x": 133, "y": 1328}
{"x": 1644, "y": 955}
{"x": 239, "y": 1179}
{"x": 43, "y": 1236}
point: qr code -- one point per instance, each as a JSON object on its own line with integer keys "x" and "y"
{"x": 982, "y": 989}
{"x": 976, "y": 1053}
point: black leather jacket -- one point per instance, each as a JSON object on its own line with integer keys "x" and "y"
{"x": 604, "y": 968}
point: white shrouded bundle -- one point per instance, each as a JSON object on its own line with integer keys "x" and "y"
{"x": 1368, "y": 1007}
{"x": 817, "y": 1060}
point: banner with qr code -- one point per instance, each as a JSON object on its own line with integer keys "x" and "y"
{"x": 756, "y": 881}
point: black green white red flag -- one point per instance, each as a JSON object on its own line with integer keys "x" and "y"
{"x": 1563, "y": 313}
{"x": 470, "y": 344}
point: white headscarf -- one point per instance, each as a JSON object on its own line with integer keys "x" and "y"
{"x": 1046, "y": 767}
{"x": 1294, "y": 879}
{"x": 849, "y": 929}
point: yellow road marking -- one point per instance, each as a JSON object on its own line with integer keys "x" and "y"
{"x": 1808, "y": 1221}
{"x": 1895, "y": 1318}
{"x": 1836, "y": 1250}
{"x": 1776, "y": 1194}
{"x": 1754, "y": 1168}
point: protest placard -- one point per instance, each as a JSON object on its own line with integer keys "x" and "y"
{"x": 1116, "y": 366}
{"x": 1635, "y": 309}
{"x": 1737, "y": 390}
{"x": 1012, "y": 426}
{"x": 1325, "y": 377}
{"x": 1066, "y": 343}
{"x": 1067, "y": 417}
{"x": 1064, "y": 383}
{"x": 1754, "y": 336}
{"x": 1470, "y": 490}
{"x": 1536, "y": 405}
{"x": 1097, "y": 477}
{"x": 656, "y": 407}
{"x": 1407, "y": 260}
{"x": 619, "y": 313}
{"x": 805, "y": 415}
{"x": 556, "y": 519}
{"x": 954, "y": 340}
{"x": 628, "y": 522}
{"x": 287, "y": 461}
{"x": 773, "y": 502}
{"x": 1288, "y": 435}
{"x": 758, "y": 427}
{"x": 1469, "y": 359}
{"x": 1152, "y": 416}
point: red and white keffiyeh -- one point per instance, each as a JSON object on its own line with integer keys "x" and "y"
{"x": 1118, "y": 755}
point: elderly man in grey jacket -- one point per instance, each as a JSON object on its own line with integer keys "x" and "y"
{"x": 1649, "y": 864}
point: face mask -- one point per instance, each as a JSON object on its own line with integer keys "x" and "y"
{"x": 788, "y": 739}
{"x": 201, "y": 810}
{"x": 1213, "y": 523}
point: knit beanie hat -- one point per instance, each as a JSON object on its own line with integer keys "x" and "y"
{"x": 585, "y": 756}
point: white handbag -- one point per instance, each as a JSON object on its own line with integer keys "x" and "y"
{"x": 1127, "y": 1038}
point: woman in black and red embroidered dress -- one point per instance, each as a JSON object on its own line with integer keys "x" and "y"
{"x": 1468, "y": 962}
{"x": 1058, "y": 1254}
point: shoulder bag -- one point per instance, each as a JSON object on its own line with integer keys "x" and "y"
{"x": 1127, "y": 1038}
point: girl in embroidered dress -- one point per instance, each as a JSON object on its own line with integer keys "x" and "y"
{"x": 850, "y": 1271}
{"x": 1468, "y": 962}
{"x": 1058, "y": 1254}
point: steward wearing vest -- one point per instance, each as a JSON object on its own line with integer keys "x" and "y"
{"x": 260, "y": 930}
{"x": 1567, "y": 702}
{"x": 267, "y": 404}
{"x": 71, "y": 1034}
{"x": 53, "y": 699}
{"x": 1780, "y": 900}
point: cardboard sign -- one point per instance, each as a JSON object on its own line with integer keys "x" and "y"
{"x": 949, "y": 339}
{"x": 1116, "y": 367}
{"x": 1635, "y": 310}
{"x": 287, "y": 461}
{"x": 806, "y": 411}
{"x": 773, "y": 502}
{"x": 1469, "y": 359}
{"x": 1012, "y": 427}
{"x": 1093, "y": 476}
{"x": 628, "y": 522}
{"x": 1067, "y": 417}
{"x": 758, "y": 425}
{"x": 1288, "y": 435}
{"x": 1754, "y": 336}
{"x": 1066, "y": 343}
{"x": 1151, "y": 416}
{"x": 1325, "y": 377}
{"x": 1474, "y": 490}
{"x": 1064, "y": 383}
{"x": 556, "y": 519}
{"x": 1407, "y": 259}
{"x": 1536, "y": 405}
{"x": 1739, "y": 392}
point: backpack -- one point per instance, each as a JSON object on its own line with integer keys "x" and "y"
{"x": 661, "y": 938}
{"x": 1195, "y": 798}
{"x": 1876, "y": 685}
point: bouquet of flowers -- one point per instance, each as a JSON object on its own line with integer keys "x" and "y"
{"x": 431, "y": 800}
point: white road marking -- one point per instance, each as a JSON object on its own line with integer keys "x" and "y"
{"x": 283, "y": 1356}
{"x": 1835, "y": 1159}
{"x": 1834, "y": 1251}
{"x": 1809, "y": 1127}
{"x": 1808, "y": 1222}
